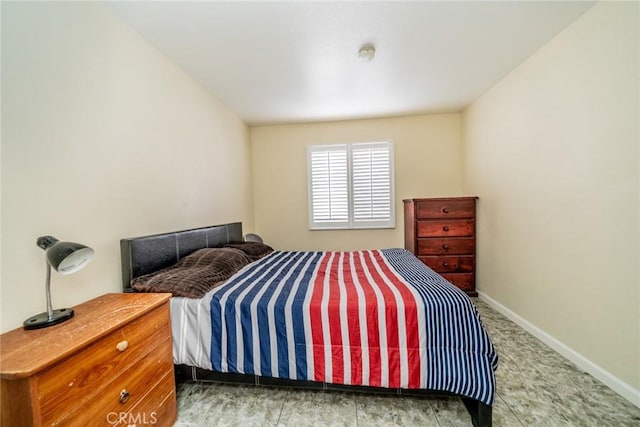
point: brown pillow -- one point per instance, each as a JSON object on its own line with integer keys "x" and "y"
{"x": 254, "y": 250}
{"x": 194, "y": 275}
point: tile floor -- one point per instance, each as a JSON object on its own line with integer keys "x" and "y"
{"x": 535, "y": 387}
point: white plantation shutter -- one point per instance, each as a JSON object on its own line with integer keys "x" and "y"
{"x": 329, "y": 185}
{"x": 372, "y": 195}
{"x": 351, "y": 186}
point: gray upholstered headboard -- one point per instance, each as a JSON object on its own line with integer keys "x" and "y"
{"x": 144, "y": 255}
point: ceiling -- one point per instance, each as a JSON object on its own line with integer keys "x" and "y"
{"x": 287, "y": 62}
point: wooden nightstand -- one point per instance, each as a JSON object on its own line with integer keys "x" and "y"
{"x": 111, "y": 364}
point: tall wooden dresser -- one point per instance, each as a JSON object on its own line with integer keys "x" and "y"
{"x": 109, "y": 365}
{"x": 441, "y": 232}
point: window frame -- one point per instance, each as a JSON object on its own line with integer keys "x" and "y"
{"x": 351, "y": 223}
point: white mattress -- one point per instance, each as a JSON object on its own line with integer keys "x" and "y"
{"x": 191, "y": 323}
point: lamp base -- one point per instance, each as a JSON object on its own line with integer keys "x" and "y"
{"x": 42, "y": 320}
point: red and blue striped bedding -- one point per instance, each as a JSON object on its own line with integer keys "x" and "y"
{"x": 373, "y": 318}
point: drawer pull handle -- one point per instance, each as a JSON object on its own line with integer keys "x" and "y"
{"x": 445, "y": 264}
{"x": 445, "y": 210}
{"x": 445, "y": 228}
{"x": 445, "y": 247}
{"x": 124, "y": 395}
{"x": 122, "y": 345}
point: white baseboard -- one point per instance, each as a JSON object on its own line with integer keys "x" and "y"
{"x": 616, "y": 384}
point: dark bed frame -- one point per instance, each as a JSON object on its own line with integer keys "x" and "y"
{"x": 143, "y": 255}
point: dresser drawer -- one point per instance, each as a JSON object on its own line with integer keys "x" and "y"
{"x": 464, "y": 281}
{"x": 446, "y": 246}
{"x": 135, "y": 383}
{"x": 449, "y": 264}
{"x": 83, "y": 376}
{"x": 445, "y": 227}
{"x": 157, "y": 408}
{"x": 445, "y": 209}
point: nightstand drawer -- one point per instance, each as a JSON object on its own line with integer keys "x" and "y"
{"x": 464, "y": 281}
{"x": 85, "y": 375}
{"x": 449, "y": 264}
{"x": 123, "y": 393}
{"x": 445, "y": 227}
{"x": 445, "y": 209}
{"x": 446, "y": 246}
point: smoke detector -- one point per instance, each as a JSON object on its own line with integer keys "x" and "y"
{"x": 367, "y": 52}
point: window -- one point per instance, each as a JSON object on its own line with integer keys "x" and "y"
{"x": 351, "y": 186}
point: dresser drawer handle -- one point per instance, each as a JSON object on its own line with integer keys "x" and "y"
{"x": 445, "y": 247}
{"x": 445, "y": 264}
{"x": 122, "y": 345}
{"x": 124, "y": 395}
{"x": 445, "y": 228}
{"x": 445, "y": 210}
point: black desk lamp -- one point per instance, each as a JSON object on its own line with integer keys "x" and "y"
{"x": 65, "y": 258}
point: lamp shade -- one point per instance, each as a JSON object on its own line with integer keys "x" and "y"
{"x": 65, "y": 257}
{"x": 68, "y": 257}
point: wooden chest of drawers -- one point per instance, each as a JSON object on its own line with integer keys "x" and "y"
{"x": 111, "y": 364}
{"x": 442, "y": 233}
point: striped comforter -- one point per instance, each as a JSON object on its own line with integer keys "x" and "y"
{"x": 375, "y": 318}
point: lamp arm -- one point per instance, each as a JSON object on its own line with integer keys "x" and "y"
{"x": 48, "y": 288}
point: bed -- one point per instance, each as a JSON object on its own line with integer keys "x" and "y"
{"x": 388, "y": 325}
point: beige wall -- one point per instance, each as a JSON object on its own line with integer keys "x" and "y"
{"x": 103, "y": 138}
{"x": 552, "y": 151}
{"x": 280, "y": 175}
